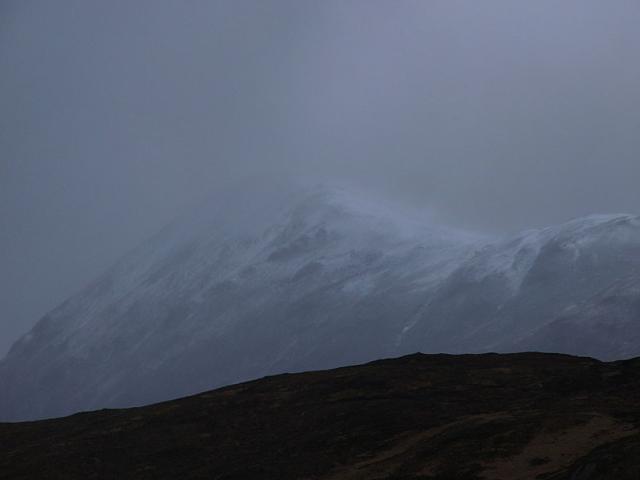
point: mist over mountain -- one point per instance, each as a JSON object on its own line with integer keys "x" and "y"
{"x": 118, "y": 115}
{"x": 303, "y": 279}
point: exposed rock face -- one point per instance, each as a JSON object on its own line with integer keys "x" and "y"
{"x": 319, "y": 280}
{"x": 438, "y": 417}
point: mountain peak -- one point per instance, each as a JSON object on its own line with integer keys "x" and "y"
{"x": 256, "y": 283}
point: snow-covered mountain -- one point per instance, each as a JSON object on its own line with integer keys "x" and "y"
{"x": 320, "y": 279}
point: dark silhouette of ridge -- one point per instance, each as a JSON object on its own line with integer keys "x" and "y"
{"x": 490, "y": 416}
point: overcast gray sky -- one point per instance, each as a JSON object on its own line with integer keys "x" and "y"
{"x": 117, "y": 115}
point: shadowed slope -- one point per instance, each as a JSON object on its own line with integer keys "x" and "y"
{"x": 519, "y": 416}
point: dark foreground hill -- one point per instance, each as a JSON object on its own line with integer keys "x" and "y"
{"x": 518, "y": 416}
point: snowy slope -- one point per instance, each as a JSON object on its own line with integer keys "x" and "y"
{"x": 305, "y": 280}
{"x": 509, "y": 289}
